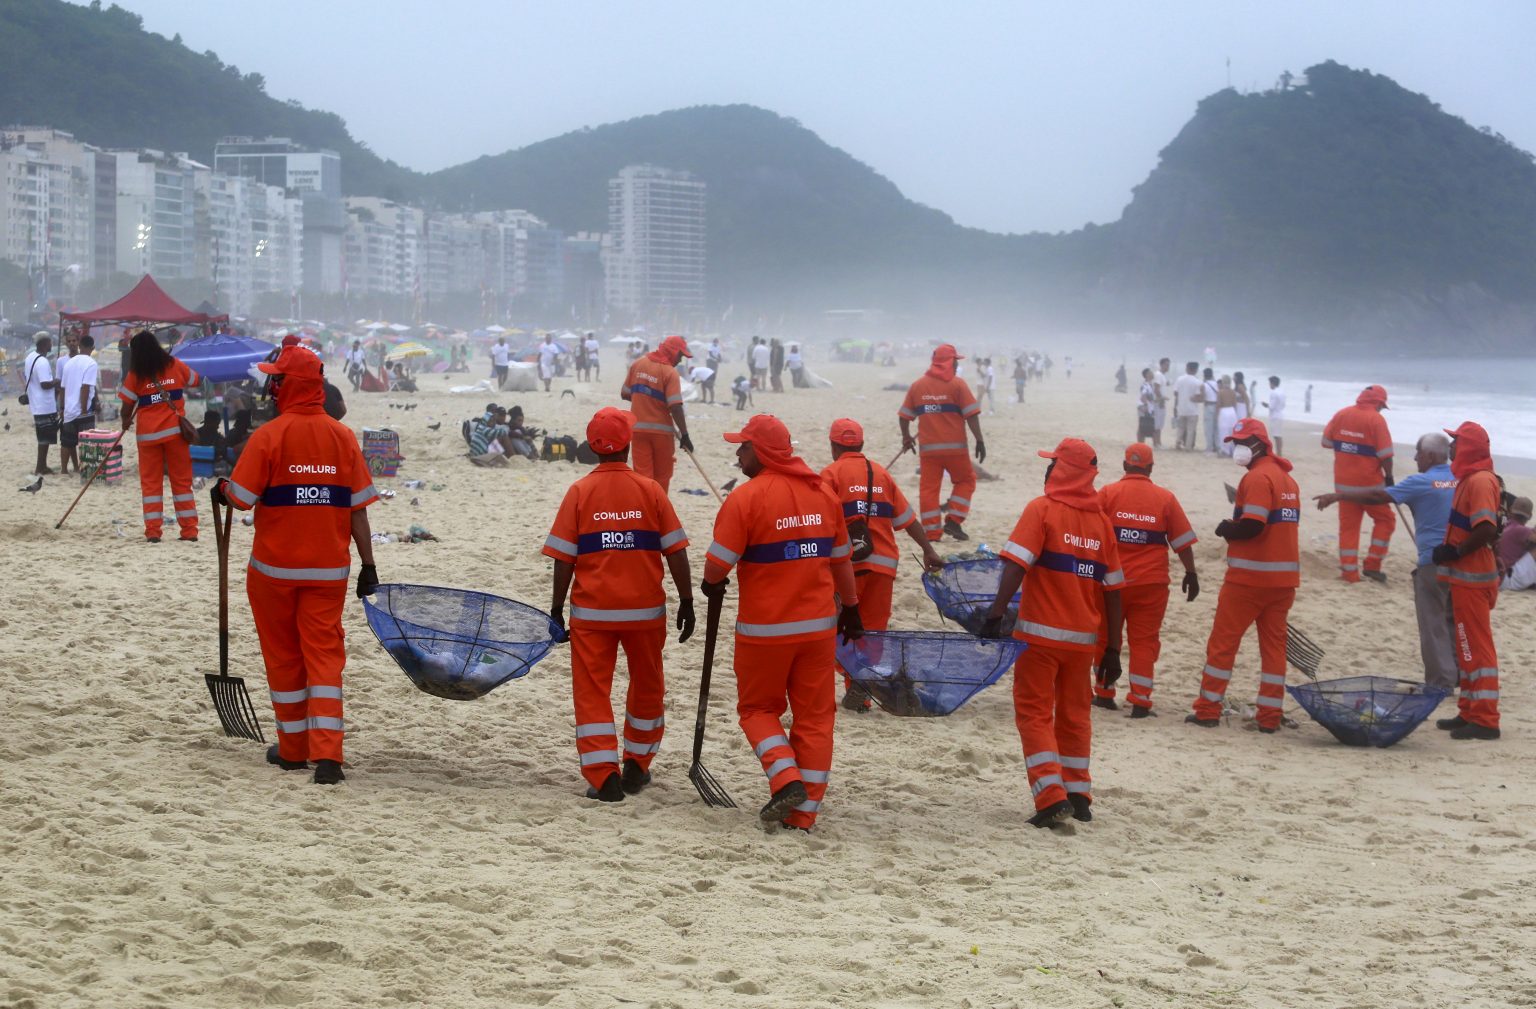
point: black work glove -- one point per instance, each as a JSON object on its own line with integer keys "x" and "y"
{"x": 1224, "y": 527}
{"x": 684, "y": 619}
{"x": 1391, "y": 482}
{"x": 714, "y": 590}
{"x": 685, "y": 443}
{"x": 1109, "y": 668}
{"x": 558, "y": 616}
{"x": 981, "y": 450}
{"x": 1191, "y": 586}
{"x": 367, "y": 580}
{"x": 1445, "y": 554}
{"x": 991, "y": 628}
{"x": 849, "y": 624}
{"x": 216, "y": 493}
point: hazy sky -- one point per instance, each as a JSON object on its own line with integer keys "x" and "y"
{"x": 1008, "y": 116}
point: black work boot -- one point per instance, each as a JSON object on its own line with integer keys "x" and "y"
{"x": 1472, "y": 730}
{"x": 1082, "y": 807}
{"x": 612, "y": 790}
{"x": 1137, "y": 711}
{"x": 287, "y": 765}
{"x": 634, "y": 778}
{"x": 1455, "y": 722}
{"x": 1204, "y": 723}
{"x": 783, "y": 802}
{"x": 1051, "y": 815}
{"x": 328, "y": 772}
{"x": 952, "y": 529}
{"x": 856, "y": 701}
{"x": 1105, "y": 702}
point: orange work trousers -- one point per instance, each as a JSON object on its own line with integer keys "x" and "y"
{"x": 594, "y": 654}
{"x": 962, "y": 480}
{"x": 1383, "y": 521}
{"x": 1142, "y": 607}
{"x": 1238, "y": 608}
{"x": 173, "y": 457}
{"x": 304, "y": 649}
{"x": 773, "y": 678}
{"x": 1052, "y": 699}
{"x": 653, "y": 454}
{"x": 1476, "y": 659}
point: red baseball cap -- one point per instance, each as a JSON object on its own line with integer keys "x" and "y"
{"x": 610, "y": 430}
{"x": 847, "y": 433}
{"x": 1373, "y": 395}
{"x": 947, "y": 352}
{"x": 1139, "y": 455}
{"x": 676, "y": 344}
{"x": 1073, "y": 451}
{"x": 764, "y": 429}
{"x": 1249, "y": 427}
{"x": 295, "y": 362}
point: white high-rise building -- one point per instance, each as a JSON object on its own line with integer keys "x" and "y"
{"x": 48, "y": 183}
{"x": 157, "y": 213}
{"x": 656, "y": 260}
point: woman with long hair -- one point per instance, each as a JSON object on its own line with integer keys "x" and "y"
{"x": 154, "y": 394}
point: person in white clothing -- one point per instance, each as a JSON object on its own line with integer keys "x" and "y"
{"x": 78, "y": 380}
{"x": 357, "y": 364}
{"x": 1276, "y": 405}
{"x": 37, "y": 373}
{"x": 704, "y": 378}
{"x": 594, "y": 366}
{"x": 501, "y": 356}
{"x": 761, "y": 355}
{"x": 1188, "y": 395}
{"x": 1162, "y": 388}
{"x": 988, "y": 384}
{"x": 549, "y": 353}
{"x": 1210, "y": 392}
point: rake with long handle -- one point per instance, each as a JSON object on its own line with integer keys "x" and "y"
{"x": 1302, "y": 652}
{"x": 230, "y": 698}
{"x": 705, "y": 475}
{"x": 95, "y": 472}
{"x": 711, "y": 791}
{"x": 897, "y": 456}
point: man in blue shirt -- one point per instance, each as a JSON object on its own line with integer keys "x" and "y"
{"x": 1427, "y": 494}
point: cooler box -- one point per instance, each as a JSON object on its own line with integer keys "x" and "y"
{"x": 93, "y": 453}
{"x": 381, "y": 447}
{"x": 202, "y": 460}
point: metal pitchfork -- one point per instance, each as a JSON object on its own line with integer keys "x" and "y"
{"x": 230, "y": 698}
{"x": 711, "y": 791}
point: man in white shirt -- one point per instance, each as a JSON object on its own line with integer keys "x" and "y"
{"x": 357, "y": 364}
{"x": 42, "y": 399}
{"x": 1188, "y": 394}
{"x": 1161, "y": 387}
{"x": 1276, "y": 404}
{"x": 1146, "y": 406}
{"x": 761, "y": 354}
{"x": 78, "y": 378}
{"x": 549, "y": 352}
{"x": 704, "y": 378}
{"x": 500, "y": 355}
{"x": 594, "y": 367}
{"x": 1211, "y": 390}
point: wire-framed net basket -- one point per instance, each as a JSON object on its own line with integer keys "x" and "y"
{"x": 455, "y": 643}
{"x": 1368, "y": 710}
{"x": 964, "y": 590}
{"x": 925, "y": 674}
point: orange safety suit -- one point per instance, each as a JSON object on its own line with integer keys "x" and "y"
{"x": 305, "y": 475}
{"x": 1474, "y": 581}
{"x": 1067, "y": 546}
{"x": 1148, "y": 523}
{"x": 787, "y": 536}
{"x": 1360, "y": 440}
{"x": 940, "y": 406}
{"x": 162, "y": 450}
{"x": 615, "y": 526}
{"x": 653, "y": 387}
{"x": 1262, "y": 576}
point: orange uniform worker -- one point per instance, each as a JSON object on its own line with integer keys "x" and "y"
{"x": 655, "y": 395}
{"x": 1066, "y": 545}
{"x": 610, "y": 535}
{"x": 1148, "y": 522}
{"x": 1263, "y": 572}
{"x": 154, "y": 392}
{"x": 306, "y": 477}
{"x": 870, "y": 495}
{"x": 1466, "y": 560}
{"x": 943, "y": 407}
{"x": 1362, "y": 462}
{"x": 785, "y": 533}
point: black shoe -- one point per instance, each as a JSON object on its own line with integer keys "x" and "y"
{"x": 634, "y": 778}
{"x": 1137, "y": 711}
{"x": 1474, "y": 731}
{"x": 187, "y": 539}
{"x": 287, "y": 765}
{"x": 1082, "y": 807}
{"x": 1105, "y": 702}
{"x": 952, "y": 529}
{"x": 152, "y": 539}
{"x": 856, "y": 700}
{"x": 1204, "y": 723}
{"x": 1455, "y": 722}
{"x": 1051, "y": 815}
{"x": 612, "y": 790}
{"x": 783, "y": 802}
{"x": 1376, "y": 576}
{"x": 328, "y": 772}
{"x": 1269, "y": 730}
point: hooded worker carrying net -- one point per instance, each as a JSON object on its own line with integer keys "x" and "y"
{"x": 964, "y": 590}
{"x": 925, "y": 673}
{"x": 1368, "y": 710}
{"x": 458, "y": 644}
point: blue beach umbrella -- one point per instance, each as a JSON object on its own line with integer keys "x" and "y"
{"x": 222, "y": 357}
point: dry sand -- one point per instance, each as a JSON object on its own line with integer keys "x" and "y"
{"x": 151, "y": 861}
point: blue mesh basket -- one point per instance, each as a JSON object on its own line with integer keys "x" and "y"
{"x": 458, "y": 644}
{"x": 1368, "y": 710}
{"x": 965, "y": 589}
{"x": 925, "y": 673}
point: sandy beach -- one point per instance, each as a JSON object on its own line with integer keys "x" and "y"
{"x": 149, "y": 860}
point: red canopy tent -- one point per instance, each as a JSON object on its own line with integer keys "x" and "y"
{"x": 148, "y": 304}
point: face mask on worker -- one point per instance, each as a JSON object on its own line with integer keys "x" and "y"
{"x": 1242, "y": 455}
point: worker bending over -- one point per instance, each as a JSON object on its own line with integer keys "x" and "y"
{"x": 613, "y": 528}
{"x": 943, "y": 407}
{"x": 655, "y": 394}
{"x": 1362, "y": 462}
{"x": 786, "y": 533}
